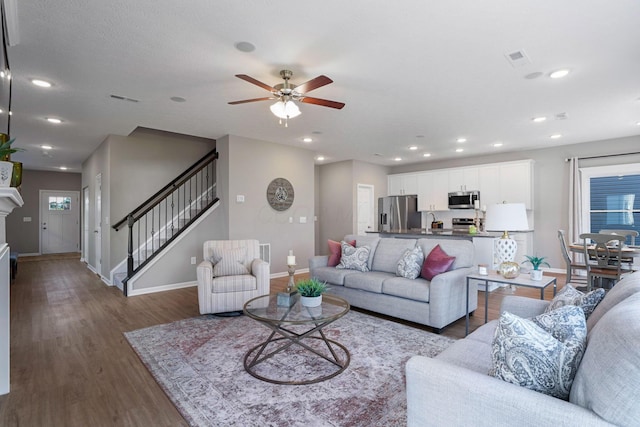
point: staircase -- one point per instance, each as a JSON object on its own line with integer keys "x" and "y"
{"x": 166, "y": 215}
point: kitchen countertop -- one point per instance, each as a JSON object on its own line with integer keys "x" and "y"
{"x": 442, "y": 233}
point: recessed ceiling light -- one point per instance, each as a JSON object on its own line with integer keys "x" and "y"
{"x": 46, "y": 147}
{"x": 320, "y": 158}
{"x": 555, "y": 136}
{"x": 539, "y": 119}
{"x": 459, "y": 150}
{"x": 558, "y": 74}
{"x": 40, "y": 83}
{"x": 1, "y": 110}
{"x": 245, "y": 47}
{"x": 533, "y": 75}
{"x": 497, "y": 144}
{"x": 398, "y": 159}
{"x": 638, "y": 124}
{"x": 461, "y": 140}
{"x": 307, "y": 139}
{"x": 63, "y": 168}
{"x": 54, "y": 120}
{"x": 413, "y": 148}
{"x": 426, "y": 155}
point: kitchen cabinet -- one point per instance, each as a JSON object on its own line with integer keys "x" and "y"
{"x": 463, "y": 179}
{"x": 402, "y": 184}
{"x": 510, "y": 182}
{"x": 432, "y": 195}
{"x": 489, "y": 185}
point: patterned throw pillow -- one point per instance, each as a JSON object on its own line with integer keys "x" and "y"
{"x": 542, "y": 353}
{"x": 335, "y": 252}
{"x": 230, "y": 262}
{"x": 354, "y": 258}
{"x": 436, "y": 262}
{"x": 569, "y": 295}
{"x": 410, "y": 263}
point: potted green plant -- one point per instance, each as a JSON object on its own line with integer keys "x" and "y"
{"x": 536, "y": 262}
{"x": 6, "y": 165}
{"x": 310, "y": 291}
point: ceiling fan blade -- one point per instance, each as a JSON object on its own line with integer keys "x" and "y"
{"x": 244, "y": 101}
{"x": 322, "y": 102}
{"x": 313, "y": 84}
{"x": 255, "y": 82}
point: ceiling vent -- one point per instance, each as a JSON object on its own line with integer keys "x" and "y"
{"x": 123, "y": 98}
{"x": 518, "y": 58}
{"x": 561, "y": 116}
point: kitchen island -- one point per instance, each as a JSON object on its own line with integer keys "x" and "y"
{"x": 445, "y": 233}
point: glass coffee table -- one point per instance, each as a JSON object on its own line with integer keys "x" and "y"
{"x": 297, "y": 351}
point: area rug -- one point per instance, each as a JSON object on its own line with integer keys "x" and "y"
{"x": 199, "y": 364}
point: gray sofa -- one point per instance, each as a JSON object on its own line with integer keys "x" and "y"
{"x": 434, "y": 303}
{"x": 454, "y": 388}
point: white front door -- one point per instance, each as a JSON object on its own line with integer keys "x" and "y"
{"x": 85, "y": 224}
{"x": 366, "y": 208}
{"x": 59, "y": 221}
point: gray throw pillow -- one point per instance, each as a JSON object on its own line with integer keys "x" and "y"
{"x": 230, "y": 262}
{"x": 542, "y": 353}
{"x": 569, "y": 295}
{"x": 354, "y": 258}
{"x": 410, "y": 263}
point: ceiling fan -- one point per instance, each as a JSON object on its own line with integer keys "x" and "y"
{"x": 286, "y": 93}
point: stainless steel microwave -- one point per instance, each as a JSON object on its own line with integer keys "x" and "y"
{"x": 463, "y": 199}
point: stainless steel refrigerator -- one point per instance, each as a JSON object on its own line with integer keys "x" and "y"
{"x": 398, "y": 213}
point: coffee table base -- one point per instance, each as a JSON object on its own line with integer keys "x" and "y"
{"x": 257, "y": 355}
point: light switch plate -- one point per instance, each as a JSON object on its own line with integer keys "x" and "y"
{"x": 240, "y": 198}
{"x": 26, "y": 219}
{"x": 303, "y": 220}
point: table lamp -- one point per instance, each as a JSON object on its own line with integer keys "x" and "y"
{"x": 507, "y": 217}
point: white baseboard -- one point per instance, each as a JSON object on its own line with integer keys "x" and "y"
{"x": 154, "y": 289}
{"x": 31, "y": 254}
{"x": 285, "y": 274}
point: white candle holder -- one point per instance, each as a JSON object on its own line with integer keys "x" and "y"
{"x": 289, "y": 296}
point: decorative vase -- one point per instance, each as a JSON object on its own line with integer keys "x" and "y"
{"x": 16, "y": 177}
{"x": 510, "y": 269}
{"x": 311, "y": 301}
{"x": 6, "y": 172}
{"x": 536, "y": 274}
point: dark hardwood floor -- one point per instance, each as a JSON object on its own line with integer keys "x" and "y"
{"x": 72, "y": 366}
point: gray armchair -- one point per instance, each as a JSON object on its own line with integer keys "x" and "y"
{"x": 231, "y": 274}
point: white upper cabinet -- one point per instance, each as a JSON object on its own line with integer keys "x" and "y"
{"x": 431, "y": 194}
{"x": 489, "y": 185}
{"x": 516, "y": 183}
{"x": 402, "y": 184}
{"x": 463, "y": 179}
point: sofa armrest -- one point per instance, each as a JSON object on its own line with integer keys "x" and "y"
{"x": 447, "y": 299}
{"x": 204, "y": 273}
{"x": 523, "y": 306}
{"x": 260, "y": 269}
{"x": 442, "y": 394}
{"x": 318, "y": 261}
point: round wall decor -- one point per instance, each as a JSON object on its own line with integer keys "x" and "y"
{"x": 280, "y": 194}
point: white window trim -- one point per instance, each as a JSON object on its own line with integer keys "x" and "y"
{"x": 597, "y": 171}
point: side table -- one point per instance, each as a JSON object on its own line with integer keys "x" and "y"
{"x": 518, "y": 281}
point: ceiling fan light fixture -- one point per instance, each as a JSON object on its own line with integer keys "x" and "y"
{"x": 285, "y": 110}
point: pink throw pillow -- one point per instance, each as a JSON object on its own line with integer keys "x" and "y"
{"x": 335, "y": 252}
{"x": 436, "y": 262}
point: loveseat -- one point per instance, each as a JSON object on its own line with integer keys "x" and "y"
{"x": 454, "y": 388}
{"x": 435, "y": 303}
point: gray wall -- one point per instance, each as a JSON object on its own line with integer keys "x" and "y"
{"x": 24, "y": 237}
{"x": 252, "y": 165}
{"x": 337, "y": 197}
{"x": 551, "y": 182}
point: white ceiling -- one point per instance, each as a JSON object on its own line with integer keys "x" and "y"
{"x": 416, "y": 73}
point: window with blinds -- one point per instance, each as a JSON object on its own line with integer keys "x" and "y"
{"x": 615, "y": 203}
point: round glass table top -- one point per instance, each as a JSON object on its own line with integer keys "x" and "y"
{"x": 266, "y": 309}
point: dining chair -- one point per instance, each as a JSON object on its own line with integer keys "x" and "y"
{"x": 571, "y": 265}
{"x": 604, "y": 255}
{"x": 626, "y": 233}
{"x": 632, "y": 234}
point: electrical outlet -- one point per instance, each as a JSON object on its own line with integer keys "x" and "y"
{"x": 193, "y": 260}
{"x": 290, "y": 220}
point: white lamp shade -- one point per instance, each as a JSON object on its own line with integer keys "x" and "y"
{"x": 507, "y": 217}
{"x": 285, "y": 110}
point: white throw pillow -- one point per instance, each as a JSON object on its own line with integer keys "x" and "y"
{"x": 410, "y": 263}
{"x": 542, "y": 353}
{"x": 354, "y": 258}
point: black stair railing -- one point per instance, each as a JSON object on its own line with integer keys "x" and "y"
{"x": 164, "y": 216}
